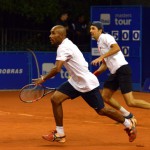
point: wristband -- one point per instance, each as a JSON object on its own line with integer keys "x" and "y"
{"x": 103, "y": 61}
{"x": 42, "y": 77}
{"x": 96, "y": 73}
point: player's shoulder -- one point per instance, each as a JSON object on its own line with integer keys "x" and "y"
{"x": 66, "y": 43}
{"x": 66, "y": 46}
{"x": 106, "y": 35}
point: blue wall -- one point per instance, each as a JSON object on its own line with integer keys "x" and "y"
{"x": 19, "y": 68}
{"x": 146, "y": 44}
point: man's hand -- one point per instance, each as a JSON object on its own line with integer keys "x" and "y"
{"x": 38, "y": 81}
{"x": 97, "y": 61}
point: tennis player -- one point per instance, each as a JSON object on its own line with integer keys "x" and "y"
{"x": 113, "y": 59}
{"x": 81, "y": 83}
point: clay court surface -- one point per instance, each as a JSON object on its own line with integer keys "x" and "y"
{"x": 23, "y": 124}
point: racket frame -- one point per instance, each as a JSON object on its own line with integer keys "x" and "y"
{"x": 44, "y": 93}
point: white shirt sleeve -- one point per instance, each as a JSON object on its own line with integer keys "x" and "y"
{"x": 63, "y": 54}
{"x": 109, "y": 40}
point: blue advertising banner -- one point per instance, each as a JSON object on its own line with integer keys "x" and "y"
{"x": 14, "y": 70}
{"x": 19, "y": 68}
{"x": 124, "y": 24}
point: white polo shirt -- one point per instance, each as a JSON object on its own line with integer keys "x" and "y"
{"x": 81, "y": 78}
{"x": 114, "y": 61}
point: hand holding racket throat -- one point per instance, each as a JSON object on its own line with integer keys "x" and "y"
{"x": 38, "y": 81}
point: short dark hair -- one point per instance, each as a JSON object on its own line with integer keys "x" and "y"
{"x": 99, "y": 25}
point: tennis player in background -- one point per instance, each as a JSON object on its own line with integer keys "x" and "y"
{"x": 81, "y": 83}
{"x": 113, "y": 59}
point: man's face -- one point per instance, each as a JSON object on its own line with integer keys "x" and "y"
{"x": 95, "y": 33}
{"x": 64, "y": 17}
{"x": 55, "y": 37}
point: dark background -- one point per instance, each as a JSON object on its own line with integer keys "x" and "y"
{"x": 42, "y": 14}
{"x": 26, "y": 23}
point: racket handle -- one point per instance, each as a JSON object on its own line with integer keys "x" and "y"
{"x": 96, "y": 73}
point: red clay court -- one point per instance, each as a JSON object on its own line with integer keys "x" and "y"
{"x": 23, "y": 124}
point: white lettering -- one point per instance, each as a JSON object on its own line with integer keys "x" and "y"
{"x": 126, "y": 50}
{"x": 122, "y": 21}
{"x": 11, "y": 71}
{"x": 46, "y": 67}
{"x": 20, "y": 71}
{"x": 123, "y": 15}
{"x": 64, "y": 74}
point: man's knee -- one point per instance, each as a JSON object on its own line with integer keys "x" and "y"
{"x": 54, "y": 100}
{"x": 130, "y": 103}
{"x": 101, "y": 111}
{"x": 58, "y": 97}
{"x": 106, "y": 97}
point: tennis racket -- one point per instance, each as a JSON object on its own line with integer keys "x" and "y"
{"x": 31, "y": 92}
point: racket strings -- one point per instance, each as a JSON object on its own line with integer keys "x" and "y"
{"x": 31, "y": 93}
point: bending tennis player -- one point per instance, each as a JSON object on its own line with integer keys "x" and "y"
{"x": 82, "y": 83}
